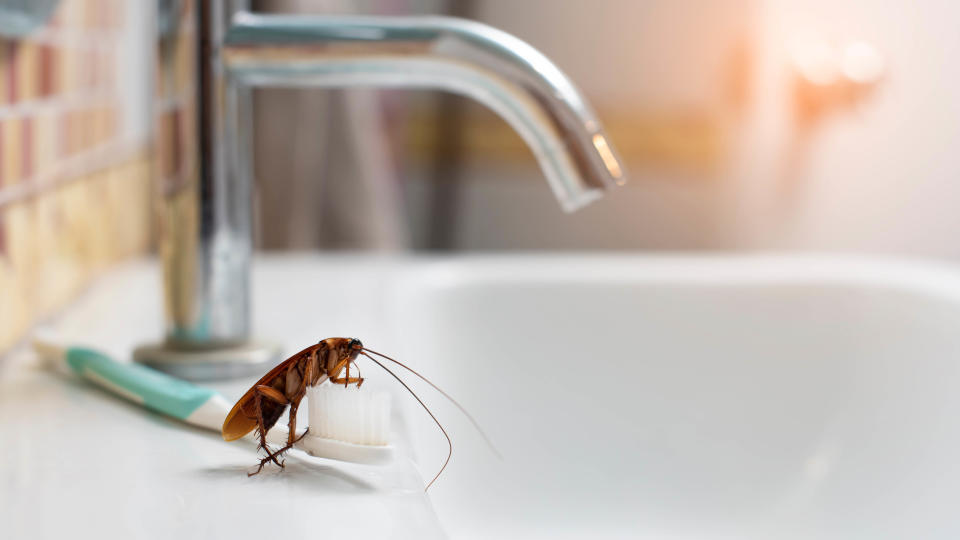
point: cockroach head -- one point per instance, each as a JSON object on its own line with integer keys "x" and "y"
{"x": 345, "y": 347}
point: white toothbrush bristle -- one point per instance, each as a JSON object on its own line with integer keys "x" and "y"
{"x": 349, "y": 414}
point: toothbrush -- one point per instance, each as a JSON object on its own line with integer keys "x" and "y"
{"x": 346, "y": 426}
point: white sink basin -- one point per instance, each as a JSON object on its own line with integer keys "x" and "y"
{"x": 630, "y": 396}
{"x": 692, "y": 397}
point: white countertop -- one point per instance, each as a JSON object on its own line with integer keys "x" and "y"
{"x": 76, "y": 462}
{"x": 734, "y": 397}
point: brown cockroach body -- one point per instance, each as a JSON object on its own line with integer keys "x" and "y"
{"x": 285, "y": 385}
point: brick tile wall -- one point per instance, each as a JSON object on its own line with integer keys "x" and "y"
{"x": 75, "y": 194}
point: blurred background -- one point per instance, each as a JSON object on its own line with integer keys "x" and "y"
{"x": 745, "y": 124}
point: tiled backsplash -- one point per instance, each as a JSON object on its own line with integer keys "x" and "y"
{"x": 75, "y": 186}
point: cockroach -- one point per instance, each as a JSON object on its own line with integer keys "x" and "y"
{"x": 286, "y": 384}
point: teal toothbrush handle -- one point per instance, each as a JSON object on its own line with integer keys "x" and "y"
{"x": 140, "y": 384}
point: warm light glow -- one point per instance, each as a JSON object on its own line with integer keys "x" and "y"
{"x": 815, "y": 59}
{"x": 862, "y": 63}
{"x": 600, "y": 143}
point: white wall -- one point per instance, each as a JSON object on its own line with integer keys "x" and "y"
{"x": 629, "y": 53}
{"x": 883, "y": 177}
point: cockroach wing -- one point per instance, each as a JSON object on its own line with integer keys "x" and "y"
{"x": 242, "y": 419}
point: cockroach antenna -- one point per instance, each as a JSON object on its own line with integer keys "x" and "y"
{"x": 476, "y": 425}
{"x": 422, "y": 404}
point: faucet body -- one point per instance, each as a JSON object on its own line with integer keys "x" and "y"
{"x": 208, "y": 237}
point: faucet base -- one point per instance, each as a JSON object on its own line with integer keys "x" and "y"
{"x": 206, "y": 365}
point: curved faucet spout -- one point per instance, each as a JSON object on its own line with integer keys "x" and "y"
{"x": 509, "y": 76}
{"x": 208, "y": 219}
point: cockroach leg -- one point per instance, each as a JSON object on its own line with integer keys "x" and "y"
{"x": 292, "y": 438}
{"x": 308, "y": 374}
{"x": 260, "y": 467}
{"x": 359, "y": 375}
{"x": 261, "y": 430}
{"x": 292, "y": 426}
{"x": 348, "y": 380}
{"x": 260, "y": 392}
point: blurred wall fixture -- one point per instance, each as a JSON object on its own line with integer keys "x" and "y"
{"x": 207, "y": 268}
{"x": 830, "y": 77}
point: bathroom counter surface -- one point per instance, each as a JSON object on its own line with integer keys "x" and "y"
{"x": 77, "y": 462}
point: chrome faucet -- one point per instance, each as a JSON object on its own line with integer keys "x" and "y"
{"x": 208, "y": 243}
